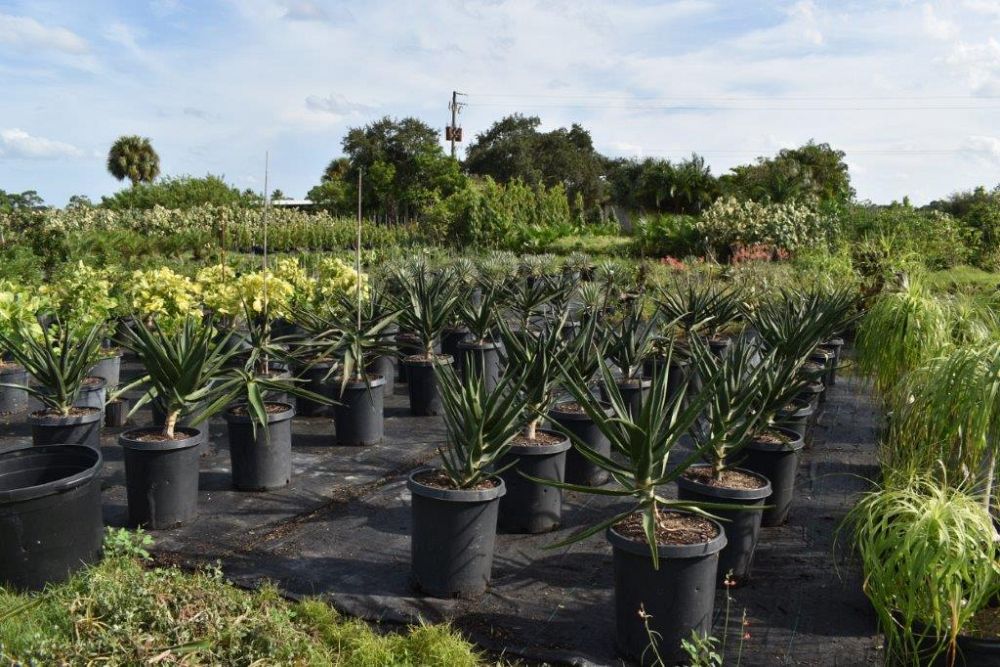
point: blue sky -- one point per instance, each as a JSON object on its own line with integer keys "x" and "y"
{"x": 911, "y": 90}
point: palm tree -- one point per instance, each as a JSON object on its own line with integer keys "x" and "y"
{"x": 133, "y": 157}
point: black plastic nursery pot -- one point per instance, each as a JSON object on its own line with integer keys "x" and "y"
{"x": 634, "y": 393}
{"x": 580, "y": 470}
{"x": 161, "y": 476}
{"x": 796, "y": 416}
{"x": 451, "y": 339}
{"x": 812, "y": 394}
{"x": 719, "y": 345}
{"x": 13, "y": 399}
{"x": 530, "y": 507}
{"x": 453, "y": 533}
{"x": 422, "y": 386}
{"x": 677, "y": 374}
{"x": 116, "y": 412}
{"x": 972, "y": 652}
{"x": 483, "y": 358}
{"x": 109, "y": 367}
{"x": 317, "y": 379}
{"x": 81, "y": 427}
{"x": 358, "y": 418}
{"x": 826, "y": 358}
{"x": 777, "y": 459}
{"x": 384, "y": 366}
{"x": 261, "y": 461}
{"x": 50, "y": 514}
{"x": 679, "y": 596}
{"x": 741, "y": 524}
{"x": 837, "y": 346}
{"x": 93, "y": 393}
{"x": 409, "y": 345}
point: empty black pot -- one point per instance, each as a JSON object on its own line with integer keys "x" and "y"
{"x": 261, "y": 457}
{"x": 483, "y": 358}
{"x": 13, "y": 399}
{"x": 50, "y": 513}
{"x": 76, "y": 429}
{"x": 422, "y": 386}
{"x": 679, "y": 596}
{"x": 116, "y": 413}
{"x": 530, "y": 507}
{"x": 452, "y": 538}
{"x": 359, "y": 419}
{"x": 778, "y": 462}
{"x": 741, "y": 524}
{"x": 161, "y": 476}
{"x": 580, "y": 470}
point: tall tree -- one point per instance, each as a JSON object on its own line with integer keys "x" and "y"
{"x": 133, "y": 157}
{"x": 514, "y": 148}
{"x": 811, "y": 170}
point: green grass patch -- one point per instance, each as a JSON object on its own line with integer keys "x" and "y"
{"x": 962, "y": 279}
{"x": 593, "y": 245}
{"x": 122, "y": 612}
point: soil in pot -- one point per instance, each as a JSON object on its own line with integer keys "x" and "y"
{"x": 13, "y": 399}
{"x": 261, "y": 460}
{"x": 422, "y": 386}
{"x": 82, "y": 426}
{"x": 161, "y": 476}
{"x": 530, "y": 507}
{"x": 482, "y": 358}
{"x": 580, "y": 470}
{"x": 453, "y": 534}
{"x": 747, "y": 492}
{"x": 679, "y": 597}
{"x": 775, "y": 455}
{"x": 358, "y": 417}
{"x": 50, "y": 514}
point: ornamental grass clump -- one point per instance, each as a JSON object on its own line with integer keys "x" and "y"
{"x": 931, "y": 560}
{"x": 901, "y": 331}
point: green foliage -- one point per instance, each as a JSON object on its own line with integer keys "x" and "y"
{"x": 930, "y": 557}
{"x": 122, "y": 612}
{"x": 667, "y": 235}
{"x": 812, "y": 171}
{"x": 513, "y": 149}
{"x": 480, "y": 423}
{"x": 428, "y": 304}
{"x": 895, "y": 237}
{"x": 661, "y": 186}
{"x": 120, "y": 543}
{"x": 178, "y": 193}
{"x": 58, "y": 357}
{"x": 12, "y": 201}
{"x": 133, "y": 157}
{"x": 788, "y": 226}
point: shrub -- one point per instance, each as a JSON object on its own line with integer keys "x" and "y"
{"x": 788, "y": 226}
{"x": 180, "y": 192}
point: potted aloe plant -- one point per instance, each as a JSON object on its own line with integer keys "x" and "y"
{"x": 583, "y": 357}
{"x": 480, "y": 351}
{"x": 59, "y": 358}
{"x": 630, "y": 337}
{"x": 540, "y": 453}
{"x": 425, "y": 309}
{"x": 16, "y": 305}
{"x": 466, "y": 275}
{"x": 728, "y": 420}
{"x": 666, "y": 552}
{"x": 184, "y": 365}
{"x": 700, "y": 308}
{"x": 454, "y": 506}
{"x": 356, "y": 340}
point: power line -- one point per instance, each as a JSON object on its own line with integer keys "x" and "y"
{"x": 694, "y": 107}
{"x": 730, "y": 98}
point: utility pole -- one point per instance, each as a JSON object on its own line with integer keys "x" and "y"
{"x": 453, "y": 132}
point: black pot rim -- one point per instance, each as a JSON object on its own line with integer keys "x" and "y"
{"x": 478, "y": 345}
{"x": 805, "y": 410}
{"x": 796, "y": 443}
{"x": 92, "y": 415}
{"x": 834, "y": 342}
{"x": 542, "y": 450}
{"x": 10, "y": 368}
{"x": 727, "y": 493}
{"x": 373, "y": 381}
{"x": 634, "y": 383}
{"x": 436, "y": 360}
{"x": 272, "y": 417}
{"x": 714, "y": 545}
{"x": 60, "y": 485}
{"x": 193, "y": 440}
{"x": 816, "y": 387}
{"x": 557, "y": 414}
{"x": 454, "y": 495}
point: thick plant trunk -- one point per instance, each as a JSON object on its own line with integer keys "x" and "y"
{"x": 170, "y": 424}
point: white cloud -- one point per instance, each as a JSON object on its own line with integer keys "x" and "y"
{"x": 984, "y": 146}
{"x": 26, "y": 32}
{"x": 937, "y": 27}
{"x": 17, "y": 143}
